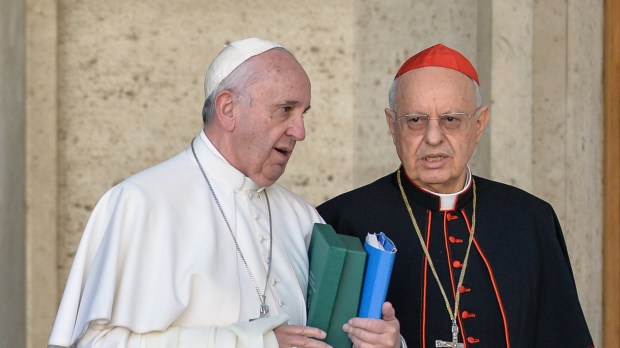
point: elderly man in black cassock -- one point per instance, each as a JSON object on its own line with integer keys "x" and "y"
{"x": 479, "y": 263}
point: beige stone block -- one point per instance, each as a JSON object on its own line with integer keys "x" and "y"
{"x": 584, "y": 155}
{"x": 511, "y": 95}
{"x": 41, "y": 171}
{"x": 549, "y": 101}
{"x": 13, "y": 279}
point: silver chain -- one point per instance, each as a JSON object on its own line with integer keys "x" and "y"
{"x": 264, "y": 309}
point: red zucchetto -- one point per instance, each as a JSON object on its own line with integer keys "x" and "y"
{"x": 442, "y": 56}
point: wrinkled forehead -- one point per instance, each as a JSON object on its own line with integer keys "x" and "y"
{"x": 277, "y": 65}
{"x": 276, "y": 60}
{"x": 438, "y": 87}
{"x": 278, "y": 72}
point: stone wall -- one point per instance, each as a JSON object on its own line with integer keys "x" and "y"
{"x": 116, "y": 86}
{"x": 12, "y": 154}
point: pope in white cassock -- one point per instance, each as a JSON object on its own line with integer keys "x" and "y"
{"x": 187, "y": 253}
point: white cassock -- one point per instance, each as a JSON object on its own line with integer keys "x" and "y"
{"x": 157, "y": 265}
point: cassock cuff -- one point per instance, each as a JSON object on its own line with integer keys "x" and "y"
{"x": 403, "y": 344}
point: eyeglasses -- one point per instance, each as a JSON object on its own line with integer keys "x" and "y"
{"x": 450, "y": 123}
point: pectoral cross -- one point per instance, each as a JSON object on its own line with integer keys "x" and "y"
{"x": 264, "y": 309}
{"x": 455, "y": 339}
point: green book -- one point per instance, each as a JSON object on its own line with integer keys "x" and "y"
{"x": 326, "y": 255}
{"x": 349, "y": 292}
{"x": 337, "y": 264}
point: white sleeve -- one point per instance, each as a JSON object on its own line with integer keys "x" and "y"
{"x": 256, "y": 334}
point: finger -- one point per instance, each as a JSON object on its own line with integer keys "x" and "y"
{"x": 363, "y": 338}
{"x": 388, "y": 312}
{"x": 300, "y": 336}
{"x": 361, "y": 333}
{"x": 356, "y": 342}
{"x": 286, "y": 340}
{"x": 365, "y": 324}
{"x": 305, "y": 342}
{"x": 306, "y": 331}
{"x": 376, "y": 325}
{"x": 375, "y": 332}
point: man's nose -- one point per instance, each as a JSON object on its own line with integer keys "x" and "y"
{"x": 433, "y": 133}
{"x": 296, "y": 128}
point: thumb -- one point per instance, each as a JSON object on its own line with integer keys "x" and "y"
{"x": 388, "y": 312}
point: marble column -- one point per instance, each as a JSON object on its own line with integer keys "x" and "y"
{"x": 12, "y": 171}
{"x": 41, "y": 170}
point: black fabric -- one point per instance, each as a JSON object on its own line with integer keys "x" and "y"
{"x": 518, "y": 263}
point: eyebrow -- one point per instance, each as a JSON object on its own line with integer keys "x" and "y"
{"x": 295, "y": 103}
{"x": 443, "y": 113}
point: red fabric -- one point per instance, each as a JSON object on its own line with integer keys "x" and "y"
{"x": 442, "y": 56}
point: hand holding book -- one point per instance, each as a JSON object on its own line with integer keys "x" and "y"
{"x": 335, "y": 282}
{"x": 339, "y": 267}
{"x": 381, "y": 253}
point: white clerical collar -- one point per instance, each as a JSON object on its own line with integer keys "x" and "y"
{"x": 225, "y": 172}
{"x": 448, "y": 200}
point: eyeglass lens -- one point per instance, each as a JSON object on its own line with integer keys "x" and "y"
{"x": 449, "y": 123}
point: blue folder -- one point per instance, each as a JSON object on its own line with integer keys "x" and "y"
{"x": 381, "y": 253}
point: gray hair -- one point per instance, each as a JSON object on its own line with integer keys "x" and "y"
{"x": 237, "y": 82}
{"x": 392, "y": 94}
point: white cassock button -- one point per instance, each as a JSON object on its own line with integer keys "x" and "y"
{"x": 280, "y": 302}
{"x": 274, "y": 281}
{"x": 256, "y": 217}
{"x": 261, "y": 238}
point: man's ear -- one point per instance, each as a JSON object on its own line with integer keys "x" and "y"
{"x": 224, "y": 107}
{"x": 390, "y": 118}
{"x": 481, "y": 122}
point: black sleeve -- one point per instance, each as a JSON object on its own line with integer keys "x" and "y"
{"x": 561, "y": 322}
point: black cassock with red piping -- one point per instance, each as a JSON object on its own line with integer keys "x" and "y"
{"x": 518, "y": 290}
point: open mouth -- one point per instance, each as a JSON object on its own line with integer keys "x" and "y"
{"x": 283, "y": 151}
{"x": 434, "y": 158}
